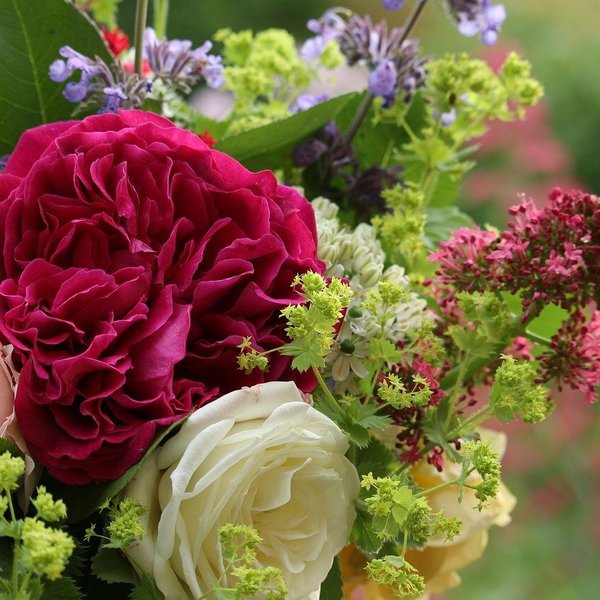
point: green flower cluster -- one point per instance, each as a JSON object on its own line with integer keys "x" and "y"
{"x": 39, "y": 552}
{"x": 515, "y": 392}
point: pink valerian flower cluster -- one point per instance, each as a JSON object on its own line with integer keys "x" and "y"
{"x": 547, "y": 255}
{"x": 574, "y": 355}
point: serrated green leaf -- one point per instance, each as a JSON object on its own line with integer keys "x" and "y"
{"x": 83, "y": 500}
{"x": 111, "y": 566}
{"x": 63, "y": 588}
{"x": 331, "y": 588}
{"x": 357, "y": 434}
{"x": 363, "y": 535}
{"x": 31, "y": 34}
{"x": 266, "y": 139}
{"x": 105, "y": 11}
{"x": 146, "y": 590}
{"x": 376, "y": 459}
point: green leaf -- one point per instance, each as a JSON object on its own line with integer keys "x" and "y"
{"x": 376, "y": 459}
{"x": 357, "y": 434}
{"x": 146, "y": 590}
{"x": 363, "y": 535}
{"x": 331, "y": 588}
{"x": 105, "y": 11}
{"x": 111, "y": 566}
{"x": 83, "y": 500}
{"x": 30, "y": 38}
{"x": 8, "y": 446}
{"x": 63, "y": 588}
{"x": 441, "y": 222}
{"x": 266, "y": 139}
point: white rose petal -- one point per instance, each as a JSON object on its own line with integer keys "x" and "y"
{"x": 259, "y": 456}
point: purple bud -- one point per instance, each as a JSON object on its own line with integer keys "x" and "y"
{"x": 75, "y": 92}
{"x": 382, "y": 81}
{"x": 306, "y": 101}
{"x": 448, "y": 118}
{"x": 393, "y": 4}
{"x": 59, "y": 71}
{"x": 308, "y": 153}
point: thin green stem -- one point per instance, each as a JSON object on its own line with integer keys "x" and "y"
{"x": 327, "y": 395}
{"x": 534, "y": 337}
{"x": 141, "y": 15}
{"x": 161, "y": 12}
{"x": 367, "y": 101}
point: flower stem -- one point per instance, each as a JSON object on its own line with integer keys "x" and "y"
{"x": 141, "y": 14}
{"x": 365, "y": 105}
{"x": 161, "y": 12}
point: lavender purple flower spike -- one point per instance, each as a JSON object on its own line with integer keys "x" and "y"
{"x": 111, "y": 88}
{"x": 177, "y": 62}
{"x": 393, "y": 61}
{"x": 478, "y": 17}
{"x": 98, "y": 84}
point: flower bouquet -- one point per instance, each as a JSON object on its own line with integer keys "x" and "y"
{"x": 253, "y": 356}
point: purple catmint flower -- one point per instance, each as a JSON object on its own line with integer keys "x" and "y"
{"x": 60, "y": 71}
{"x": 100, "y": 86}
{"x": 306, "y": 101}
{"x": 329, "y": 27}
{"x": 478, "y": 17}
{"x": 177, "y": 63}
{"x": 393, "y": 4}
{"x": 393, "y": 61}
{"x": 383, "y": 79}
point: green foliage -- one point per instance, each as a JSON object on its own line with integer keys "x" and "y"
{"x": 266, "y": 139}
{"x": 331, "y": 588}
{"x": 104, "y": 11}
{"x": 111, "y": 566}
{"x": 29, "y": 42}
{"x": 146, "y": 590}
{"x": 486, "y": 462}
{"x": 64, "y": 588}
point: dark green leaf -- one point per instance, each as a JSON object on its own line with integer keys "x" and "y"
{"x": 6, "y": 558}
{"x": 61, "y": 589}
{"x": 111, "y": 566}
{"x": 8, "y": 446}
{"x": 31, "y": 35}
{"x": 266, "y": 139}
{"x": 331, "y": 588}
{"x": 363, "y": 535}
{"x": 146, "y": 590}
{"x": 376, "y": 459}
{"x": 83, "y": 500}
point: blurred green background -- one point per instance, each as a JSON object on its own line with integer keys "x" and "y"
{"x": 552, "y": 549}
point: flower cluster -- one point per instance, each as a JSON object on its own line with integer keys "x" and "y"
{"x": 548, "y": 254}
{"x": 478, "y": 17}
{"x": 99, "y": 85}
{"x": 393, "y": 61}
{"x": 159, "y": 256}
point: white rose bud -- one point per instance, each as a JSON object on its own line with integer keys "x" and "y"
{"x": 261, "y": 457}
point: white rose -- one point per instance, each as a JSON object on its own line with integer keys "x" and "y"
{"x": 259, "y": 456}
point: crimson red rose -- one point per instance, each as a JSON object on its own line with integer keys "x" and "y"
{"x": 135, "y": 259}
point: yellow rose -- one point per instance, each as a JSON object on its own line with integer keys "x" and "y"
{"x": 438, "y": 561}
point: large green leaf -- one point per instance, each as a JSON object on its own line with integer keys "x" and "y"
{"x": 266, "y": 139}
{"x": 31, "y": 34}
